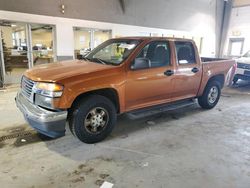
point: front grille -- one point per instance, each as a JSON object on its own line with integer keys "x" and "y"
{"x": 243, "y": 66}
{"x": 27, "y": 86}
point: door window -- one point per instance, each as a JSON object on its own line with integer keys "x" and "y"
{"x": 185, "y": 53}
{"x": 154, "y": 54}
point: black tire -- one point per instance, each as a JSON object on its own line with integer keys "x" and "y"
{"x": 83, "y": 110}
{"x": 205, "y": 100}
{"x": 235, "y": 80}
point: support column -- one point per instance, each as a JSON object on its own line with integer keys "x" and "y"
{"x": 29, "y": 45}
{"x": 224, "y": 25}
{"x": 92, "y": 39}
{"x": 2, "y": 71}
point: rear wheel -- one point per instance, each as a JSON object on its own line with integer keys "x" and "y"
{"x": 93, "y": 119}
{"x": 211, "y": 95}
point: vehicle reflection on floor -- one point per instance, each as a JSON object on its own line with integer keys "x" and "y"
{"x": 241, "y": 86}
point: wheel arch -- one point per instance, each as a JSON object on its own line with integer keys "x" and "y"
{"x": 203, "y": 99}
{"x": 219, "y": 78}
{"x": 109, "y": 93}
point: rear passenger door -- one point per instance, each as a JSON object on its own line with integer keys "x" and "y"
{"x": 188, "y": 71}
{"x": 149, "y": 85}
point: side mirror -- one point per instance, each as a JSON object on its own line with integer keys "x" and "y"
{"x": 141, "y": 63}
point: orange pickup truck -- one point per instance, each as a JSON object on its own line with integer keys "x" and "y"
{"x": 139, "y": 76}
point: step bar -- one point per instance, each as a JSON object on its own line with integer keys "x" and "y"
{"x": 145, "y": 112}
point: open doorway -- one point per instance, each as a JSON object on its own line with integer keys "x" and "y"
{"x": 13, "y": 51}
{"x": 235, "y": 48}
{"x": 42, "y": 42}
{"x": 23, "y": 46}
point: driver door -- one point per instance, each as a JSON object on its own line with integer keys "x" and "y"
{"x": 152, "y": 84}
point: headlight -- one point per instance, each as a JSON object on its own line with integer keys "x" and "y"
{"x": 49, "y": 89}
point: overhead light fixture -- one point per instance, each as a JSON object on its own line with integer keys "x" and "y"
{"x": 13, "y": 25}
{"x": 63, "y": 8}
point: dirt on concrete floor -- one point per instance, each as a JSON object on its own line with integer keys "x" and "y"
{"x": 186, "y": 148}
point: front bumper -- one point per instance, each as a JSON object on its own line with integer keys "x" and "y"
{"x": 241, "y": 74}
{"x": 47, "y": 122}
{"x": 242, "y": 77}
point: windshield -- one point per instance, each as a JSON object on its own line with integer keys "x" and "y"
{"x": 113, "y": 51}
{"x": 247, "y": 54}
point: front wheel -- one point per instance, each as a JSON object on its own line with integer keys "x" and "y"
{"x": 211, "y": 95}
{"x": 93, "y": 119}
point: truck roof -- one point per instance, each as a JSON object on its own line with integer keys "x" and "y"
{"x": 155, "y": 38}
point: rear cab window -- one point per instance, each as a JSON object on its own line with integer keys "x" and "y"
{"x": 185, "y": 53}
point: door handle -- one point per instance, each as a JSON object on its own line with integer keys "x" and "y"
{"x": 169, "y": 72}
{"x": 195, "y": 70}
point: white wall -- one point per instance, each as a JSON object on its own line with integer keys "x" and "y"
{"x": 65, "y": 35}
{"x": 239, "y": 27}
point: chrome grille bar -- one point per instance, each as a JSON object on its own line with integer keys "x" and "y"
{"x": 27, "y": 87}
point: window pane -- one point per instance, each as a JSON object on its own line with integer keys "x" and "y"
{"x": 185, "y": 52}
{"x": 247, "y": 54}
{"x": 113, "y": 51}
{"x": 156, "y": 53}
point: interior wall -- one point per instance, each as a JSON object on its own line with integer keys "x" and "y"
{"x": 42, "y": 36}
{"x": 198, "y": 17}
{"x": 167, "y": 14}
{"x": 65, "y": 36}
{"x": 239, "y": 27}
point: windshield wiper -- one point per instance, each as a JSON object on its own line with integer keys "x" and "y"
{"x": 85, "y": 58}
{"x": 104, "y": 62}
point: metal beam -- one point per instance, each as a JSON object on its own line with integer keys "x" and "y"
{"x": 227, "y": 9}
{"x": 122, "y": 4}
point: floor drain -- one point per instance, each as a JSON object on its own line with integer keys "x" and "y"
{"x": 16, "y": 135}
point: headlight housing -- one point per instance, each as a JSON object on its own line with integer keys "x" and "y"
{"x": 49, "y": 89}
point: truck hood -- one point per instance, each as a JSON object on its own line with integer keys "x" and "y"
{"x": 243, "y": 60}
{"x": 60, "y": 70}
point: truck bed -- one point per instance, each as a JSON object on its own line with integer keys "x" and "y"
{"x": 207, "y": 59}
{"x": 217, "y": 66}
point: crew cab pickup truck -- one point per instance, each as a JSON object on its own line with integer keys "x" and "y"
{"x": 138, "y": 76}
{"x": 243, "y": 68}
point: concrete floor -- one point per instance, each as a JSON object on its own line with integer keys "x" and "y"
{"x": 189, "y": 148}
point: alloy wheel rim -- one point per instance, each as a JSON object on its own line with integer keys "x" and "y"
{"x": 96, "y": 120}
{"x": 213, "y": 95}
